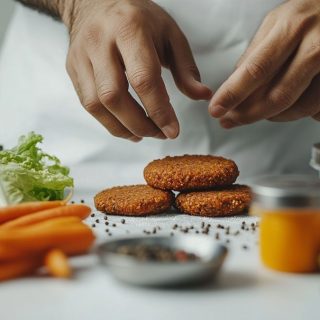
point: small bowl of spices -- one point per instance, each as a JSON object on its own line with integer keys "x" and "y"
{"x": 163, "y": 261}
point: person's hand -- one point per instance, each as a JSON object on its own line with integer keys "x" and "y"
{"x": 116, "y": 42}
{"x": 278, "y": 77}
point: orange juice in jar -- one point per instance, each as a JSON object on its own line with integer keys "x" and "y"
{"x": 289, "y": 206}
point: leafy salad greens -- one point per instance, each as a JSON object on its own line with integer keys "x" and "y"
{"x": 29, "y": 174}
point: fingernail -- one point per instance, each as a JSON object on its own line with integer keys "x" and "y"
{"x": 217, "y": 111}
{"x": 160, "y": 136}
{"x": 171, "y": 131}
{"x": 227, "y": 123}
{"x": 135, "y": 139}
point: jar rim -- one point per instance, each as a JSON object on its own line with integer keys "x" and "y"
{"x": 289, "y": 191}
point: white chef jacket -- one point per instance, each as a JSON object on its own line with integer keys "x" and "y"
{"x": 36, "y": 94}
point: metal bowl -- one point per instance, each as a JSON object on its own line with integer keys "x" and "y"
{"x": 157, "y": 273}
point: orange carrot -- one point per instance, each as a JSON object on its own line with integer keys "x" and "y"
{"x": 18, "y": 268}
{"x": 22, "y": 209}
{"x": 36, "y": 239}
{"x": 57, "y": 264}
{"x": 78, "y": 210}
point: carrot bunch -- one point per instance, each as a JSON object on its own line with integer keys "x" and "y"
{"x": 37, "y": 234}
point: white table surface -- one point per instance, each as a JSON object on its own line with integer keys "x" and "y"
{"x": 243, "y": 290}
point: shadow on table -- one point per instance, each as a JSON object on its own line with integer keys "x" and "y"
{"x": 228, "y": 280}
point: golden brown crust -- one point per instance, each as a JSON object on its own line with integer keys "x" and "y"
{"x": 134, "y": 200}
{"x": 223, "y": 202}
{"x": 189, "y": 172}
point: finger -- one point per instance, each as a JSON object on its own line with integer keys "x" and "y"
{"x": 83, "y": 81}
{"x": 144, "y": 74}
{"x": 112, "y": 90}
{"x": 285, "y": 90}
{"x": 184, "y": 69}
{"x": 265, "y": 28}
{"x": 258, "y": 68}
{"x": 308, "y": 105}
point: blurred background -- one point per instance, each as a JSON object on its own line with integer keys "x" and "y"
{"x": 6, "y": 9}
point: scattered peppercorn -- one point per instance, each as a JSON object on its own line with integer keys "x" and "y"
{"x": 106, "y": 223}
{"x": 92, "y": 215}
{"x": 97, "y": 221}
{"x": 93, "y": 225}
{"x": 82, "y": 201}
{"x": 105, "y": 218}
{"x": 123, "y": 221}
{"x": 114, "y": 225}
{"x": 244, "y": 247}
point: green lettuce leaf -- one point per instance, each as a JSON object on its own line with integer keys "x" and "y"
{"x": 29, "y": 174}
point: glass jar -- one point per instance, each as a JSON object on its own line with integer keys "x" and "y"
{"x": 289, "y": 207}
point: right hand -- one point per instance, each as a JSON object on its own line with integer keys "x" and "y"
{"x": 113, "y": 42}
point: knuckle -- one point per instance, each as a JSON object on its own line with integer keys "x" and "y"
{"x": 132, "y": 20}
{"x": 92, "y": 35}
{"x": 158, "y": 115}
{"x": 108, "y": 97}
{"x": 280, "y": 98}
{"x": 134, "y": 13}
{"x": 296, "y": 23}
{"x": 258, "y": 70}
{"x": 92, "y": 106}
{"x": 143, "y": 80}
{"x": 230, "y": 97}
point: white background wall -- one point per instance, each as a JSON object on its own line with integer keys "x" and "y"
{"x": 6, "y": 8}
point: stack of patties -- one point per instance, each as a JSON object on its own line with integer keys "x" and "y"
{"x": 206, "y": 184}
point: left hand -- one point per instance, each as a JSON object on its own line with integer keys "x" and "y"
{"x": 278, "y": 77}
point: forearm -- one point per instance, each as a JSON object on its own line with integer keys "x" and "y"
{"x": 58, "y": 9}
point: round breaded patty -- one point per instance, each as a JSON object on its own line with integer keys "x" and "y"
{"x": 135, "y": 200}
{"x": 227, "y": 202}
{"x": 190, "y": 172}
